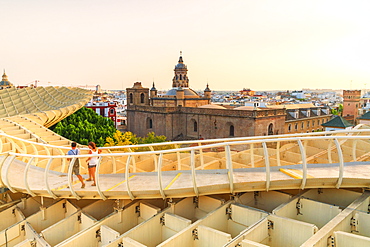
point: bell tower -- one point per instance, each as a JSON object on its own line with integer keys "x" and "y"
{"x": 180, "y": 78}
{"x": 137, "y": 95}
{"x": 5, "y": 83}
{"x": 351, "y": 104}
{"x": 4, "y": 77}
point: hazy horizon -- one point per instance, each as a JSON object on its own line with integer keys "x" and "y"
{"x": 261, "y": 45}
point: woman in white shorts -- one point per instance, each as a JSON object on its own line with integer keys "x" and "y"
{"x": 92, "y": 162}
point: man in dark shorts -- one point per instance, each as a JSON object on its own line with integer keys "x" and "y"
{"x": 76, "y": 165}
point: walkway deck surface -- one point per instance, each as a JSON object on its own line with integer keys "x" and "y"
{"x": 179, "y": 184}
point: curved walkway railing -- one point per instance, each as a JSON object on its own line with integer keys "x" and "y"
{"x": 229, "y": 155}
{"x": 180, "y": 144}
{"x": 18, "y": 144}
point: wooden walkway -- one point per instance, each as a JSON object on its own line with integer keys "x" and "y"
{"x": 179, "y": 184}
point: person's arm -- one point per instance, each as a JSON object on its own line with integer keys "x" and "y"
{"x": 68, "y": 159}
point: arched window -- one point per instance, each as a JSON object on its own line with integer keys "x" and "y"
{"x": 180, "y": 77}
{"x": 289, "y": 127}
{"x": 195, "y": 126}
{"x": 296, "y": 126}
{"x": 131, "y": 98}
{"x": 231, "y": 130}
{"x": 270, "y": 129}
{"x": 149, "y": 123}
{"x": 142, "y": 96}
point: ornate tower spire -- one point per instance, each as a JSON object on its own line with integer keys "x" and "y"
{"x": 153, "y": 93}
{"x": 180, "y": 78}
{"x": 4, "y": 77}
{"x": 153, "y": 87}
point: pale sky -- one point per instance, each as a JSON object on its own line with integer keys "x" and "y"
{"x": 257, "y": 44}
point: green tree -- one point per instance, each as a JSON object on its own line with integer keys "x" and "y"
{"x": 151, "y": 137}
{"x": 128, "y": 138}
{"x": 85, "y": 125}
{"x": 337, "y": 111}
{"x": 121, "y": 139}
{"x": 340, "y": 109}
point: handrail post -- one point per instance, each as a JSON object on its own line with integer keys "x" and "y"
{"x": 6, "y": 180}
{"x": 127, "y": 175}
{"x": 97, "y": 179}
{"x": 160, "y": 176}
{"x": 6, "y": 155}
{"x": 155, "y": 159}
{"x": 267, "y": 166}
{"x": 229, "y": 166}
{"x": 341, "y": 163}
{"x": 329, "y": 151}
{"x": 178, "y": 158}
{"x": 304, "y": 163}
{"x": 155, "y": 162}
{"x": 192, "y": 165}
{"x": 354, "y": 153}
{"x": 201, "y": 156}
{"x": 63, "y": 166}
{"x": 133, "y": 161}
{"x": 252, "y": 153}
{"x": 46, "y": 179}
{"x": 278, "y": 153}
{"x": 35, "y": 151}
{"x": 25, "y": 177}
{"x": 114, "y": 164}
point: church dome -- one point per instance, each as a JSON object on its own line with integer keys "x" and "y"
{"x": 187, "y": 92}
{"x": 153, "y": 88}
{"x": 180, "y": 66}
{"x": 207, "y": 89}
{"x": 5, "y": 82}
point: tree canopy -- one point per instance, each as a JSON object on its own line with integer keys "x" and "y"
{"x": 338, "y": 111}
{"x": 128, "y": 138}
{"x": 85, "y": 125}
